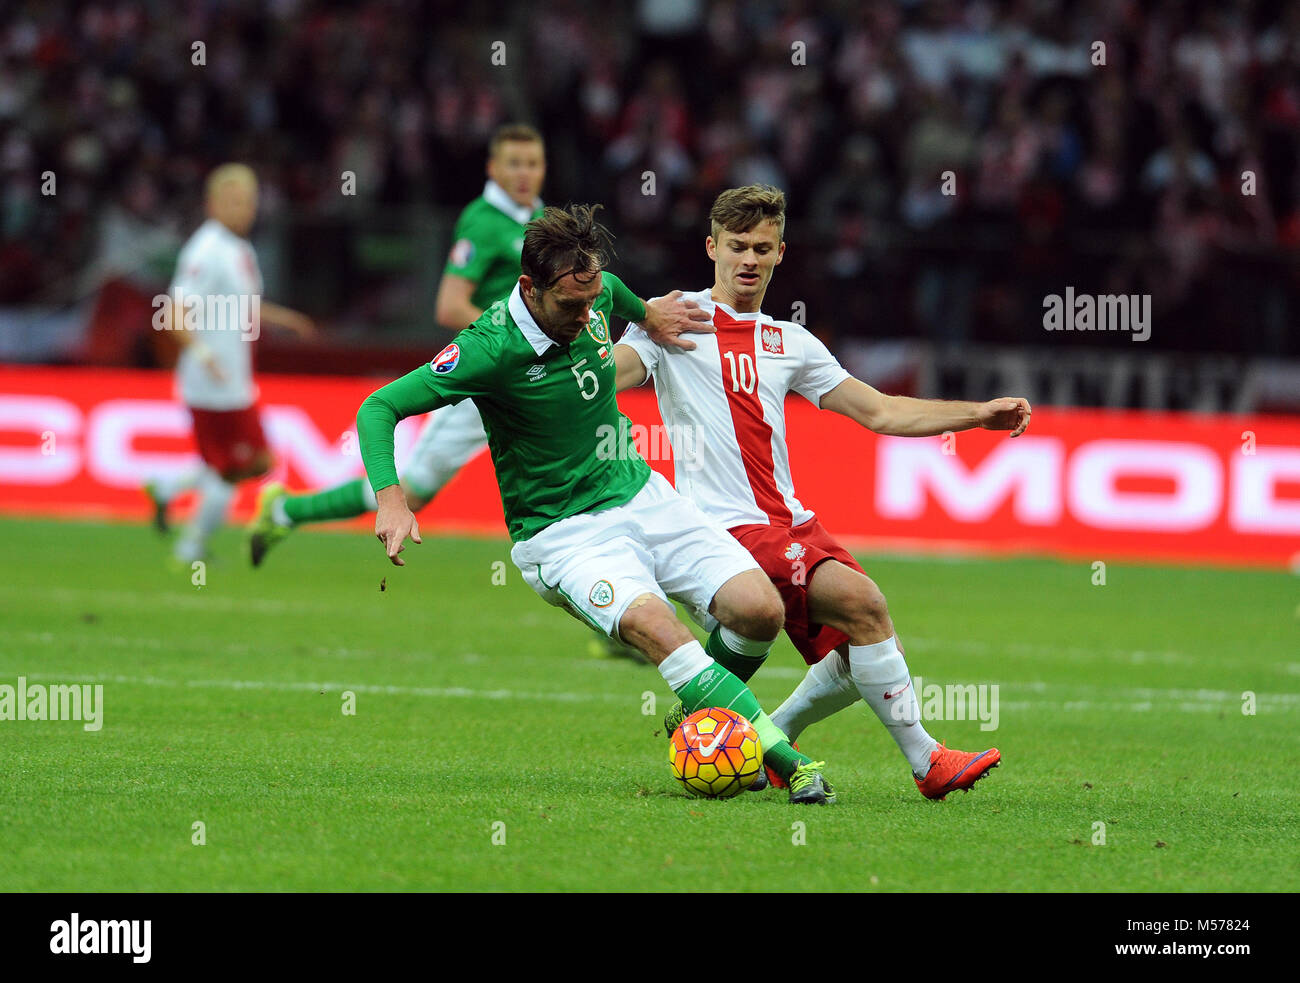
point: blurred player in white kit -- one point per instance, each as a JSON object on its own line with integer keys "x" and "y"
{"x": 215, "y": 315}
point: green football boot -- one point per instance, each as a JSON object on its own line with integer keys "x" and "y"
{"x": 264, "y": 532}
{"x": 673, "y": 719}
{"x": 808, "y": 786}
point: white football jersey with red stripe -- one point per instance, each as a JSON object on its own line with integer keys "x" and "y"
{"x": 218, "y": 279}
{"x": 724, "y": 407}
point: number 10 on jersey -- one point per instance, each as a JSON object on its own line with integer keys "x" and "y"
{"x": 744, "y": 377}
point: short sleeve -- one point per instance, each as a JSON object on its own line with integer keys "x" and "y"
{"x": 471, "y": 251}
{"x": 464, "y": 369}
{"x": 636, "y": 339}
{"x": 819, "y": 372}
{"x": 196, "y": 273}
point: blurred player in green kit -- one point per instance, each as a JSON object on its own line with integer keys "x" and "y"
{"x": 482, "y": 268}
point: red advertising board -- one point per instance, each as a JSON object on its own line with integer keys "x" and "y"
{"x": 1080, "y": 483}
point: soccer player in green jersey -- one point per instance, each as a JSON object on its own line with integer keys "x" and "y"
{"x": 595, "y": 530}
{"x": 482, "y": 267}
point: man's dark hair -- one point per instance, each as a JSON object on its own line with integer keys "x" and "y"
{"x": 563, "y": 241}
{"x": 743, "y": 209}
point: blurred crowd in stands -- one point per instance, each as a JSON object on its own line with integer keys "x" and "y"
{"x": 1105, "y": 144}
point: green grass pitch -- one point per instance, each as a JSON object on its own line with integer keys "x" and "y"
{"x": 482, "y": 716}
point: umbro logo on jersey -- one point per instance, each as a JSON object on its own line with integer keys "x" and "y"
{"x": 536, "y": 372}
{"x": 772, "y": 342}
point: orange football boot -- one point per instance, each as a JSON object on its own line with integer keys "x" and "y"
{"x": 776, "y": 780}
{"x": 951, "y": 769}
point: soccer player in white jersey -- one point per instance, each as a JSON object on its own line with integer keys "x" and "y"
{"x": 215, "y": 314}
{"x": 728, "y": 394}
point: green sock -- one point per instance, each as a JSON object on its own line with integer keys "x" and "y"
{"x": 739, "y": 663}
{"x": 719, "y": 687}
{"x": 340, "y": 502}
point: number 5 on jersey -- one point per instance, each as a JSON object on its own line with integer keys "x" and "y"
{"x": 582, "y": 379}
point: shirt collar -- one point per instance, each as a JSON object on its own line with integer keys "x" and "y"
{"x": 756, "y": 315}
{"x": 527, "y": 326}
{"x": 496, "y": 196}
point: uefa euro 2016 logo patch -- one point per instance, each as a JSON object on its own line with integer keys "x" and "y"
{"x": 602, "y": 595}
{"x": 446, "y": 359}
{"x": 461, "y": 253}
{"x": 598, "y": 328}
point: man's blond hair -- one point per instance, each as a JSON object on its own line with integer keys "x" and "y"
{"x": 514, "y": 133}
{"x": 743, "y": 209}
{"x": 239, "y": 173}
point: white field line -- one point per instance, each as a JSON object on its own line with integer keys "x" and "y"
{"x": 332, "y": 687}
{"x": 968, "y": 647}
{"x": 1184, "y": 701}
{"x": 1141, "y": 699}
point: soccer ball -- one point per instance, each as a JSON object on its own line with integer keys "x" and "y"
{"x": 715, "y": 753}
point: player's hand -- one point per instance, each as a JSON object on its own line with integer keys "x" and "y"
{"x": 1008, "y": 413}
{"x": 394, "y": 522}
{"x": 668, "y": 317}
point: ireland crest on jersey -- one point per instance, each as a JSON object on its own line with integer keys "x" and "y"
{"x": 598, "y": 327}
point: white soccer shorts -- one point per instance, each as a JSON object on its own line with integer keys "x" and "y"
{"x": 594, "y": 565}
{"x": 445, "y": 445}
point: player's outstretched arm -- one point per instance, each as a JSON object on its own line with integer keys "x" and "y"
{"x": 904, "y": 416}
{"x": 376, "y": 421}
{"x": 287, "y": 318}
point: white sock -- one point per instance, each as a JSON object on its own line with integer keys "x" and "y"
{"x": 750, "y": 648}
{"x": 169, "y": 487}
{"x": 881, "y": 676}
{"x": 826, "y": 689}
{"x": 684, "y": 664}
{"x": 215, "y": 495}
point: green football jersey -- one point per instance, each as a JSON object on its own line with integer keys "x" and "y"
{"x": 487, "y": 241}
{"x": 558, "y": 441}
